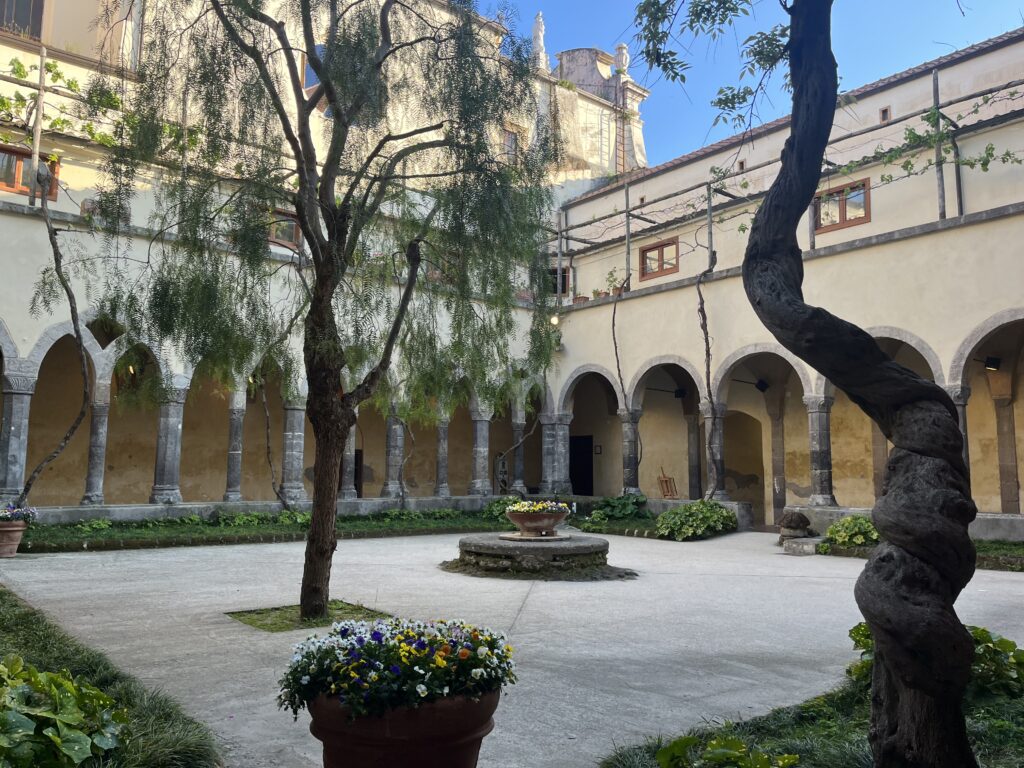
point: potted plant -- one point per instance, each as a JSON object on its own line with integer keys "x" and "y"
{"x": 394, "y": 693}
{"x": 13, "y": 522}
{"x": 600, "y": 294}
{"x": 580, "y": 299}
{"x": 537, "y": 519}
{"x": 615, "y": 286}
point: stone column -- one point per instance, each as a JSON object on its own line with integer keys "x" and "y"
{"x": 99, "y": 414}
{"x": 348, "y": 467}
{"x": 167, "y": 474}
{"x": 481, "y": 484}
{"x": 960, "y": 397}
{"x": 695, "y": 481}
{"x": 293, "y": 459}
{"x": 236, "y": 426}
{"x": 441, "y": 488}
{"x": 555, "y": 453}
{"x": 776, "y": 415}
{"x": 518, "y": 485}
{"x": 715, "y": 447}
{"x": 18, "y": 392}
{"x": 394, "y": 448}
{"x": 630, "y": 451}
{"x": 819, "y": 419}
{"x": 1006, "y": 442}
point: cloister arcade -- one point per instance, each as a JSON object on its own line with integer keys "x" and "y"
{"x": 781, "y": 436}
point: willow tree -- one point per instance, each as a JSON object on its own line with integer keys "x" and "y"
{"x": 375, "y": 129}
{"x": 908, "y": 588}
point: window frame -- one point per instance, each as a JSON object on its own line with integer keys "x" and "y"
{"x": 660, "y": 247}
{"x": 843, "y": 222}
{"x": 37, "y": 10}
{"x": 23, "y": 155}
{"x": 510, "y": 144}
{"x": 885, "y": 115}
{"x": 279, "y": 216}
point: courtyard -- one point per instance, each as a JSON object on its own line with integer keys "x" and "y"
{"x": 726, "y": 628}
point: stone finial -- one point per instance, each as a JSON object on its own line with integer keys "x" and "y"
{"x": 622, "y": 60}
{"x": 540, "y": 54}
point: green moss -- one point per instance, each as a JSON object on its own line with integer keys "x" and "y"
{"x": 287, "y": 618}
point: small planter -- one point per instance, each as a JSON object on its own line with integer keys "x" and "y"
{"x": 536, "y": 525}
{"x": 580, "y": 299}
{"x": 617, "y": 291}
{"x": 11, "y": 532}
{"x": 445, "y": 733}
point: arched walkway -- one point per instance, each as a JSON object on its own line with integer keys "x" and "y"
{"x": 132, "y": 428}
{"x": 595, "y": 434}
{"x": 767, "y": 457}
{"x": 204, "y": 436}
{"x": 262, "y": 423}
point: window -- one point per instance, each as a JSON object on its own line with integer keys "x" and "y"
{"x": 285, "y": 230}
{"x": 22, "y": 17}
{"x": 884, "y": 115}
{"x": 843, "y": 206}
{"x": 16, "y": 170}
{"x": 659, "y": 259}
{"x": 742, "y": 166}
{"x": 554, "y": 281}
{"x": 509, "y": 145}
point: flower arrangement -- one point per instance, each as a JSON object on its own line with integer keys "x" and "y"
{"x": 13, "y": 514}
{"x": 373, "y": 667}
{"x": 539, "y": 507}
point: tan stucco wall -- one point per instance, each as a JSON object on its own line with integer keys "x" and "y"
{"x": 256, "y": 484}
{"x": 664, "y": 444}
{"x": 131, "y": 450}
{"x": 204, "y": 440}
{"x": 744, "y": 462}
{"x": 594, "y": 415}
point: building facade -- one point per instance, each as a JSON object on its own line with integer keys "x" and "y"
{"x": 921, "y": 253}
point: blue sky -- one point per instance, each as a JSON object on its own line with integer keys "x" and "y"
{"x": 872, "y": 39}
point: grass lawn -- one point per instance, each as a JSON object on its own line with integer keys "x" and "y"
{"x": 992, "y": 555}
{"x": 160, "y": 734}
{"x": 830, "y": 731}
{"x": 287, "y": 618}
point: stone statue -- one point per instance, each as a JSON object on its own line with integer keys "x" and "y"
{"x": 540, "y": 54}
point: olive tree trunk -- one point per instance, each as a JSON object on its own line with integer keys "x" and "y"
{"x": 909, "y": 586}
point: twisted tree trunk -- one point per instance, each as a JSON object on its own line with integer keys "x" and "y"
{"x": 910, "y": 584}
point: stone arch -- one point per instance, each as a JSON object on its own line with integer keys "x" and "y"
{"x": 958, "y": 368}
{"x": 52, "y": 335}
{"x": 8, "y": 348}
{"x": 912, "y": 340}
{"x": 656, "y": 362}
{"x": 564, "y": 402}
{"x": 737, "y": 357}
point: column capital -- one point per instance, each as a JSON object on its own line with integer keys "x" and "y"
{"x": 958, "y": 393}
{"x": 295, "y": 405}
{"x": 481, "y": 414}
{"x": 175, "y": 396}
{"x": 555, "y": 418}
{"x": 719, "y": 409}
{"x": 819, "y": 403}
{"x": 18, "y": 385}
{"x": 630, "y": 415}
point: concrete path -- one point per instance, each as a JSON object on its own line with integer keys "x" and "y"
{"x": 725, "y": 628}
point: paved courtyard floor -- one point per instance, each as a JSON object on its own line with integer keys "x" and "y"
{"x": 724, "y": 628}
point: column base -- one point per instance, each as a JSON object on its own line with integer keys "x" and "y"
{"x": 519, "y": 488}
{"x": 480, "y": 488}
{"x": 556, "y": 489}
{"x": 631, "y": 492}
{"x": 92, "y": 500}
{"x": 443, "y": 492}
{"x": 720, "y": 496}
{"x": 230, "y": 496}
{"x": 9, "y": 495}
{"x": 348, "y": 494}
{"x": 391, "y": 490}
{"x": 294, "y": 494}
{"x": 165, "y": 495}
{"x": 819, "y": 500}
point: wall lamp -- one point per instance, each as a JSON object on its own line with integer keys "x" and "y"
{"x": 679, "y": 394}
{"x": 555, "y": 320}
{"x": 991, "y": 363}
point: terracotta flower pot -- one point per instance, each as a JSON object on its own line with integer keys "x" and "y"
{"x": 536, "y": 525}
{"x": 442, "y": 734}
{"x": 10, "y": 536}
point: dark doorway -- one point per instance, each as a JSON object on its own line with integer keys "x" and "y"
{"x": 581, "y": 464}
{"x": 359, "y": 473}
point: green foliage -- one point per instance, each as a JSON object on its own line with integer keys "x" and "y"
{"x": 997, "y": 671}
{"x": 852, "y": 531}
{"x": 403, "y": 516}
{"x": 301, "y": 519}
{"x": 49, "y": 720}
{"x": 626, "y": 507}
{"x": 94, "y": 526}
{"x": 241, "y": 519}
{"x": 728, "y": 752}
{"x": 698, "y": 520}
{"x": 495, "y": 509}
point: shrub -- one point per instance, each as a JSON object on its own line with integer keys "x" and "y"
{"x": 626, "y": 507}
{"x": 853, "y": 531}
{"x": 403, "y": 516}
{"x": 241, "y": 519}
{"x": 724, "y": 751}
{"x": 50, "y": 720}
{"x": 699, "y": 520}
{"x": 288, "y": 517}
{"x": 94, "y": 526}
{"x": 495, "y": 510}
{"x": 997, "y": 670}
{"x": 444, "y": 514}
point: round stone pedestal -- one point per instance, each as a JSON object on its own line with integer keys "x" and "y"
{"x": 574, "y": 557}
